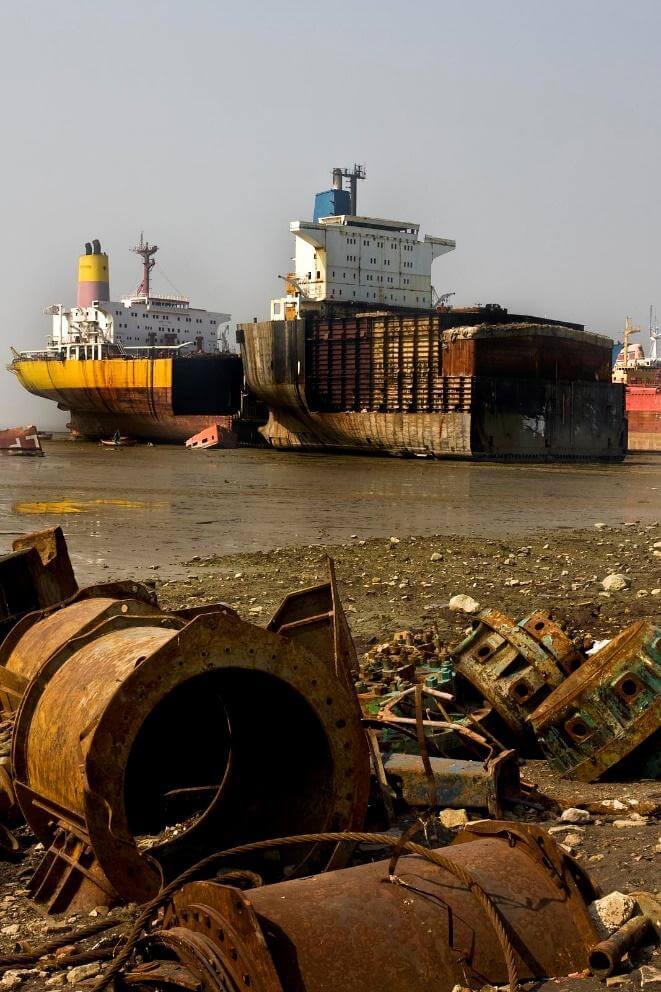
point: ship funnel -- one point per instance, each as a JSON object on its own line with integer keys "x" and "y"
{"x": 93, "y": 275}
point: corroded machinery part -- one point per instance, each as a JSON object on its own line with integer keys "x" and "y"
{"x": 36, "y": 574}
{"x": 146, "y": 741}
{"x": 38, "y": 635}
{"x": 456, "y": 783}
{"x": 515, "y": 665}
{"x": 607, "y": 710}
{"x": 314, "y": 617}
{"x": 363, "y": 930}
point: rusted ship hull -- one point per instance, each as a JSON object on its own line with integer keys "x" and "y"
{"x": 643, "y": 401}
{"x": 161, "y": 428}
{"x": 151, "y": 399}
{"x": 407, "y": 386}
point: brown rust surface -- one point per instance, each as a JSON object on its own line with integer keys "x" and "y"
{"x": 424, "y": 930}
{"x": 387, "y": 384}
{"x": 144, "y": 721}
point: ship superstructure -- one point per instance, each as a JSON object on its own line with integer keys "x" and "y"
{"x": 356, "y": 356}
{"x": 139, "y": 324}
{"x": 344, "y": 259}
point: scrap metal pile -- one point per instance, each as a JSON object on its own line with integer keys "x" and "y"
{"x": 514, "y": 685}
{"x": 218, "y": 774}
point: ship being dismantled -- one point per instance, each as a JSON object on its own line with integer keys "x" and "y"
{"x": 148, "y": 366}
{"x": 358, "y": 356}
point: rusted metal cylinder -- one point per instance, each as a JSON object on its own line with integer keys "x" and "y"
{"x": 607, "y": 954}
{"x": 361, "y": 931}
{"x": 38, "y": 635}
{"x": 147, "y": 741}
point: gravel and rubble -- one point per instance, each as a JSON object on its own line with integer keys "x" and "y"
{"x": 407, "y": 584}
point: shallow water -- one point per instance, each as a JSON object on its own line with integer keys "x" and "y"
{"x": 126, "y": 509}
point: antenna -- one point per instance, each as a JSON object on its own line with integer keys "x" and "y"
{"x": 146, "y": 252}
{"x": 353, "y": 175}
{"x": 655, "y": 336}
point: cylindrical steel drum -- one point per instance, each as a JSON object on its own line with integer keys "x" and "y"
{"x": 361, "y": 931}
{"x": 146, "y": 742}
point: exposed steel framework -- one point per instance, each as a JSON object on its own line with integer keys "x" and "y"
{"x": 146, "y": 253}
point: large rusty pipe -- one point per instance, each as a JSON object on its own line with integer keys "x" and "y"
{"x": 363, "y": 930}
{"x": 144, "y": 741}
{"x": 607, "y": 954}
{"x": 38, "y": 635}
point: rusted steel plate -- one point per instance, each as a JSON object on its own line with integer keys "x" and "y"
{"x": 145, "y": 741}
{"x": 423, "y": 930}
{"x": 36, "y": 574}
{"x": 608, "y": 709}
{"x": 458, "y": 783}
{"x": 30, "y": 645}
{"x": 20, "y": 441}
{"x": 58, "y": 581}
{"x": 515, "y": 665}
{"x": 314, "y": 617}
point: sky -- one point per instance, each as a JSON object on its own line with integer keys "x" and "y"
{"x": 527, "y": 130}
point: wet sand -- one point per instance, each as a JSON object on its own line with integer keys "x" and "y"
{"x": 128, "y": 509}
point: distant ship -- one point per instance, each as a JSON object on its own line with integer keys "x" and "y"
{"x": 361, "y": 355}
{"x": 149, "y": 367}
{"x": 642, "y": 379}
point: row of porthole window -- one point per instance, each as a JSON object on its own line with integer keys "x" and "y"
{"x": 339, "y": 293}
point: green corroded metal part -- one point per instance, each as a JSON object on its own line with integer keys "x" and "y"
{"x": 459, "y": 784}
{"x": 515, "y": 665}
{"x": 608, "y": 709}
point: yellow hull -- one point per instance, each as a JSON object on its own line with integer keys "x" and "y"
{"x": 162, "y": 399}
{"x": 54, "y": 379}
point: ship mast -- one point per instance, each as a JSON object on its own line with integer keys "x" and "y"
{"x": 655, "y": 336}
{"x": 628, "y": 330}
{"x": 146, "y": 253}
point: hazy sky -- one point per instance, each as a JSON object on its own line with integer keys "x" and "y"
{"x": 528, "y": 130}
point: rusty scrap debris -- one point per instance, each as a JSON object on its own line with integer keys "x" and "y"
{"x": 441, "y": 917}
{"x": 526, "y": 685}
{"x": 148, "y": 749}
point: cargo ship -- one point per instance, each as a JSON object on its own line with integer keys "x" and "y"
{"x": 641, "y": 377}
{"x": 361, "y": 355}
{"x": 149, "y": 367}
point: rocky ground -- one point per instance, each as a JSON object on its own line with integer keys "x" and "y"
{"x": 405, "y": 583}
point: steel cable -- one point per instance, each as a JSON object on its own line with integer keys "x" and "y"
{"x": 29, "y": 957}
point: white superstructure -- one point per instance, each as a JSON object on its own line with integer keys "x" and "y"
{"x": 348, "y": 259}
{"x": 137, "y": 324}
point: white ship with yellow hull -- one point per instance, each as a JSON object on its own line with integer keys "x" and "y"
{"x": 150, "y": 367}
